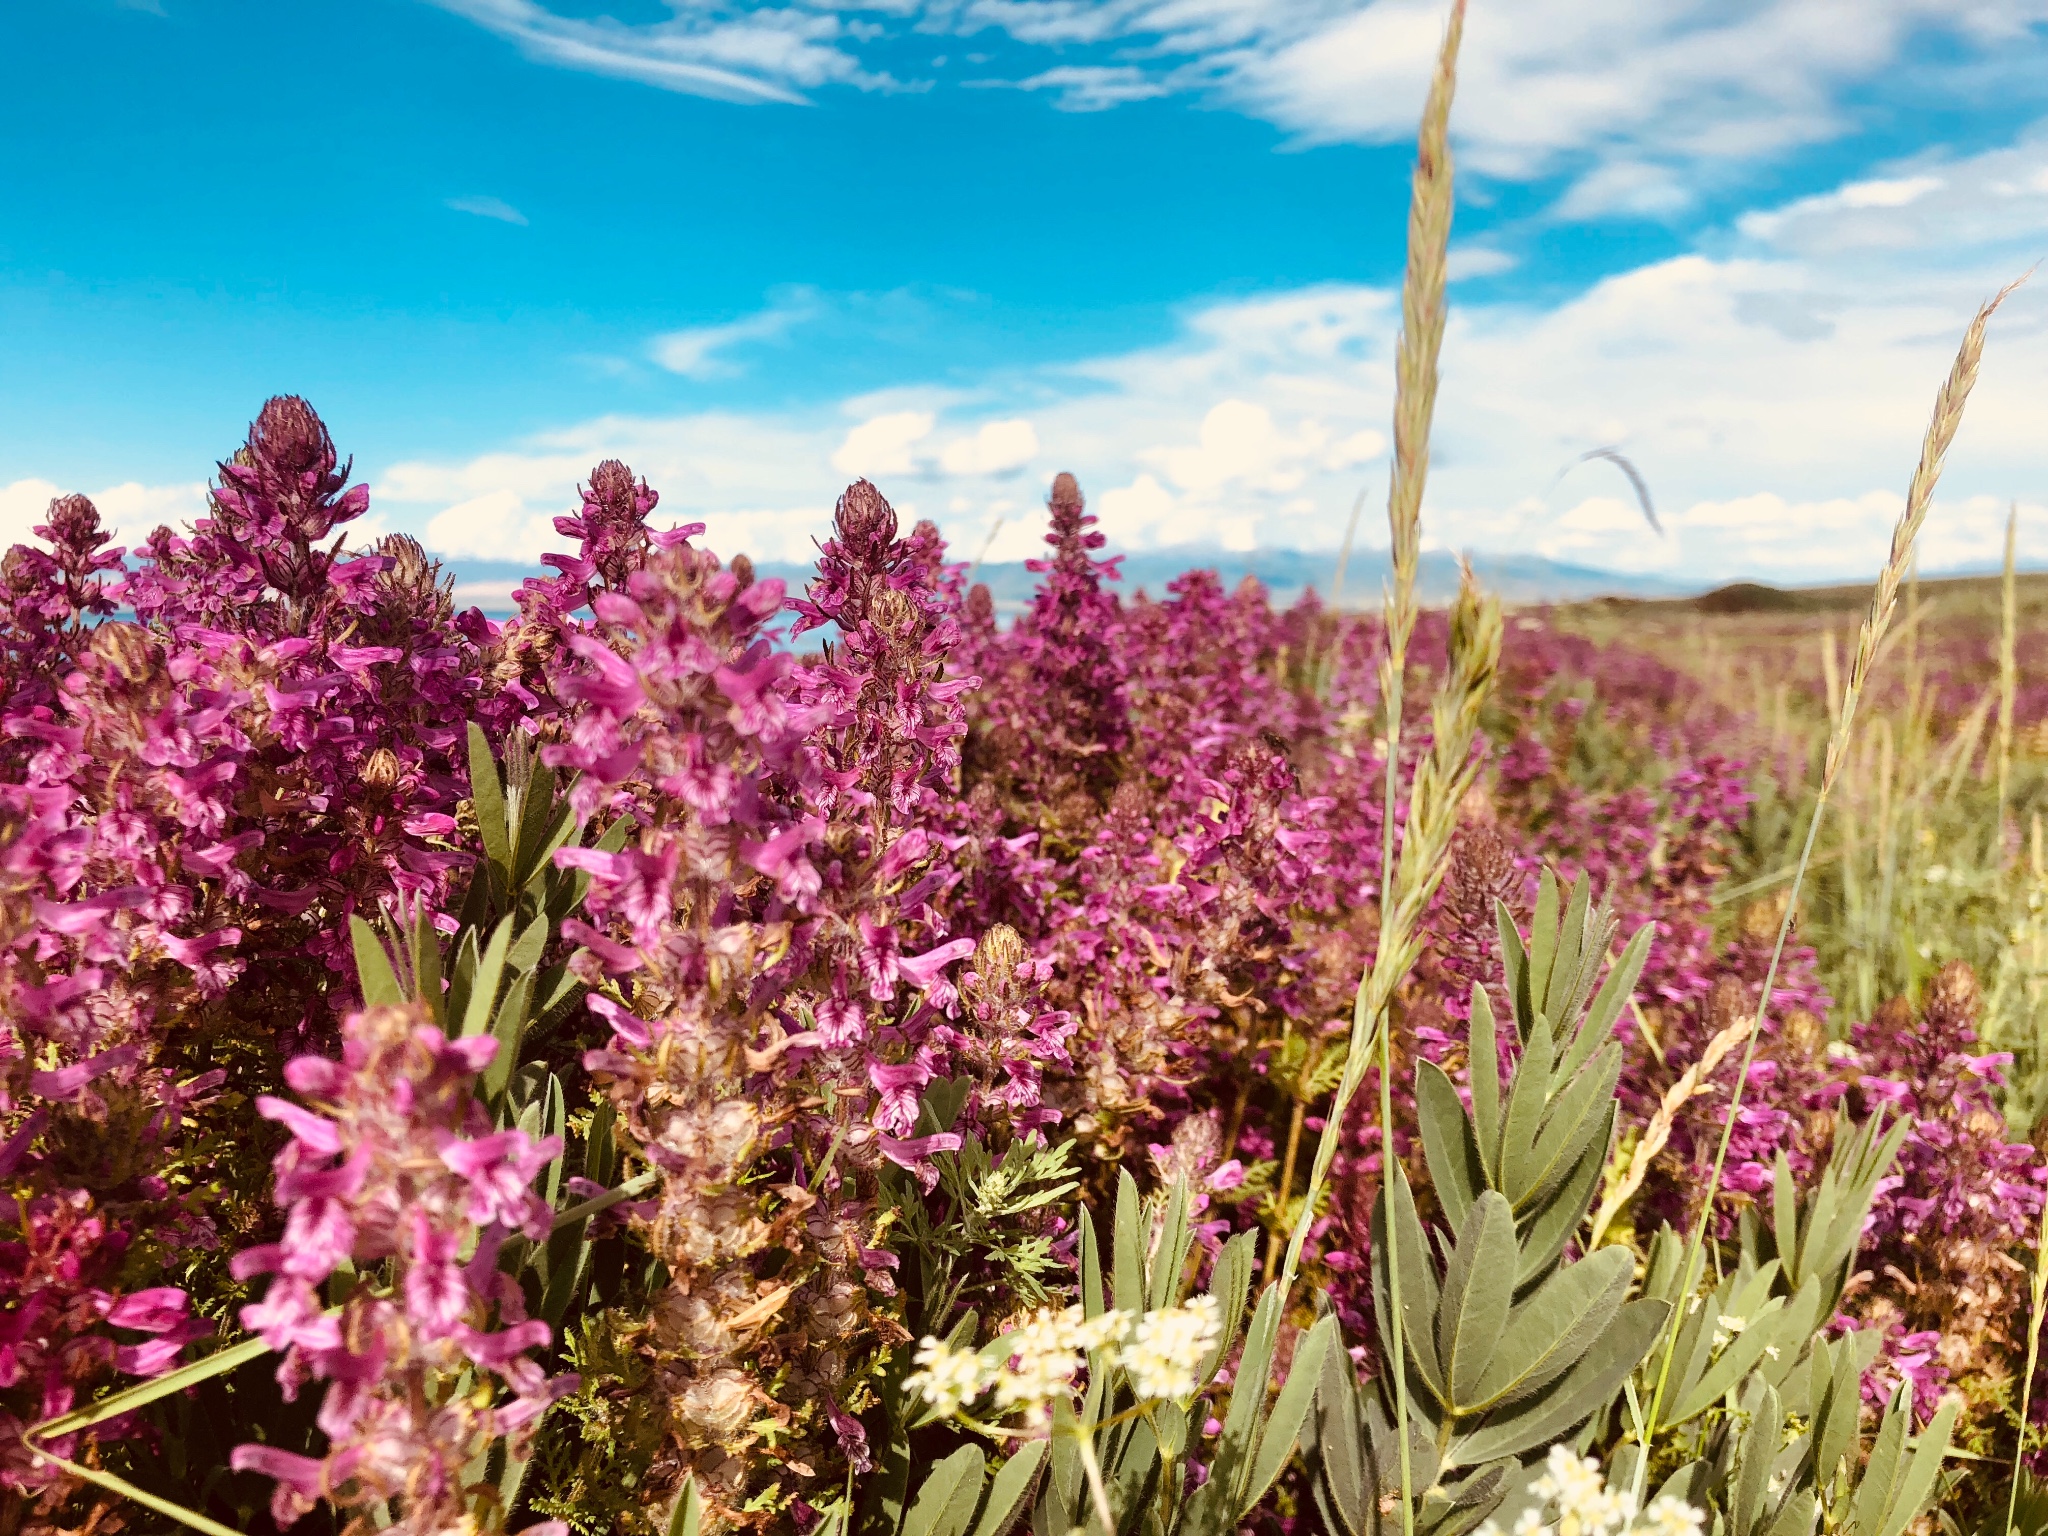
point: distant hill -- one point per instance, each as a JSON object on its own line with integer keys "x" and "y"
{"x": 1285, "y": 573}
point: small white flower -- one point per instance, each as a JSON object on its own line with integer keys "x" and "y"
{"x": 1726, "y": 1327}
{"x": 1668, "y": 1516}
{"x": 1167, "y": 1347}
{"x": 949, "y": 1378}
{"x": 1046, "y": 1352}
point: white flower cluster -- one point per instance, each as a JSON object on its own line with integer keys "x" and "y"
{"x": 1161, "y": 1352}
{"x": 1575, "y": 1495}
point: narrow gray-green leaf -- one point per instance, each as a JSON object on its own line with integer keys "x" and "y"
{"x": 1013, "y": 1481}
{"x": 482, "y": 1001}
{"x": 1447, "y": 1142}
{"x": 1170, "y": 1258}
{"x": 487, "y": 799}
{"x": 1478, "y": 1287}
{"x": 1547, "y": 1334}
{"x": 1569, "y": 1125}
{"x": 1483, "y": 1056}
{"x": 374, "y": 974}
{"x": 1614, "y": 993}
{"x": 1577, "y": 1396}
{"x": 1282, "y": 1429}
{"x": 1127, "y": 1277}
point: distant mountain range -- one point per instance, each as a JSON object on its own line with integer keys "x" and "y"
{"x": 1285, "y": 573}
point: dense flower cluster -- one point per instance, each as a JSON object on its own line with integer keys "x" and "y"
{"x": 397, "y": 1166}
{"x": 858, "y": 892}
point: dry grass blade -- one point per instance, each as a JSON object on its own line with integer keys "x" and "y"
{"x": 1657, "y": 1134}
{"x": 1941, "y": 431}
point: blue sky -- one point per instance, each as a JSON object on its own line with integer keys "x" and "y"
{"x": 961, "y": 244}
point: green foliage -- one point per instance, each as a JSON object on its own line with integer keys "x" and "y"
{"x": 979, "y": 1239}
{"x": 1507, "y": 1347}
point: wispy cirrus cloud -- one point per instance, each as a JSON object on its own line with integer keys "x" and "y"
{"x": 489, "y": 208}
{"x": 698, "y": 352}
{"x": 728, "y": 52}
{"x": 1638, "y": 106}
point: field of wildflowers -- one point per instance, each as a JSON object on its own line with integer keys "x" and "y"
{"x": 702, "y": 1057}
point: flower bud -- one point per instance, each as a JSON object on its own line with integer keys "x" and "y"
{"x": 866, "y": 522}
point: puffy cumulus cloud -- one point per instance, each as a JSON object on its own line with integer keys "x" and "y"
{"x": 884, "y": 445}
{"x": 1772, "y": 394}
{"x": 998, "y": 448}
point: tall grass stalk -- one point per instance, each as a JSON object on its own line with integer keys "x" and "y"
{"x": 1884, "y": 598}
{"x": 2008, "y": 675}
{"x": 1415, "y": 385}
{"x": 2039, "y": 1294}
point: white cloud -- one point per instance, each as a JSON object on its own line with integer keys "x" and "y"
{"x": 1773, "y": 394}
{"x": 999, "y": 448}
{"x": 1095, "y": 87}
{"x": 1639, "y": 101}
{"x": 1479, "y": 261}
{"x": 488, "y": 208}
{"x": 883, "y": 445}
{"x": 758, "y": 55}
{"x": 694, "y": 352}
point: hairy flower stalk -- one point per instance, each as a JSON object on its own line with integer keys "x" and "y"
{"x": 398, "y": 1164}
{"x": 1949, "y": 402}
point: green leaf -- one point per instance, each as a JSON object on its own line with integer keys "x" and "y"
{"x": 487, "y": 798}
{"x": 945, "y": 1504}
{"x": 425, "y": 952}
{"x": 1550, "y": 1332}
{"x": 1478, "y": 1287}
{"x": 1230, "y": 1281}
{"x": 527, "y": 949}
{"x": 1238, "y": 1443}
{"x": 463, "y": 975}
{"x": 1091, "y": 1266}
{"x": 374, "y": 974}
{"x": 1127, "y": 1257}
{"x": 508, "y": 1028}
{"x": 1573, "y": 1119}
{"x": 1447, "y": 1142}
{"x": 1544, "y": 1237}
{"x": 482, "y": 999}
{"x": 1569, "y": 959}
{"x": 1418, "y": 1282}
{"x": 1006, "y": 1494}
{"x": 688, "y": 1514}
{"x": 1282, "y": 1429}
{"x": 1169, "y": 1259}
{"x": 1483, "y": 1058}
{"x": 1514, "y": 964}
{"x": 1738, "y": 1359}
{"x": 1345, "y": 1488}
{"x": 1757, "y": 1449}
{"x": 1916, "y": 1485}
{"x": 1836, "y": 1422}
{"x": 1884, "y": 1472}
{"x": 1614, "y": 992}
{"x": 1542, "y": 942}
{"x": 1526, "y": 1101}
{"x": 1575, "y": 1397}
{"x": 1785, "y": 1217}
